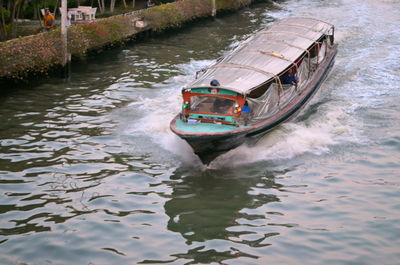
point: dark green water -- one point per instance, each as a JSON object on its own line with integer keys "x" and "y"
{"x": 91, "y": 174}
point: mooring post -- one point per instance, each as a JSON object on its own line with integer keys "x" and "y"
{"x": 66, "y": 57}
{"x": 214, "y": 9}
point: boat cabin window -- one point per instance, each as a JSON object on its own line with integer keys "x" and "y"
{"x": 210, "y": 104}
{"x": 258, "y": 92}
{"x": 317, "y": 52}
{"x": 314, "y": 50}
{"x": 330, "y": 35}
{"x": 289, "y": 77}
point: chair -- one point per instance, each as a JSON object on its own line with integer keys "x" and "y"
{"x": 89, "y": 13}
{"x": 76, "y": 14}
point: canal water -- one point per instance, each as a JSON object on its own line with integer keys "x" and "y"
{"x": 91, "y": 174}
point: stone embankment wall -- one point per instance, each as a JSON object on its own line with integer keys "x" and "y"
{"x": 36, "y": 54}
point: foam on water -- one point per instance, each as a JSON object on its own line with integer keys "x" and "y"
{"x": 314, "y": 135}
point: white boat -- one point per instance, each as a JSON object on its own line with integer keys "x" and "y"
{"x": 257, "y": 86}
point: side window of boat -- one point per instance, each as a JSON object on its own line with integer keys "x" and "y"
{"x": 322, "y": 49}
{"x": 317, "y": 53}
{"x": 330, "y": 36}
{"x": 258, "y": 92}
{"x": 303, "y": 70}
{"x": 289, "y": 77}
{"x": 314, "y": 50}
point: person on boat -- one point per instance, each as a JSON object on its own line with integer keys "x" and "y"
{"x": 245, "y": 108}
{"x": 48, "y": 20}
{"x": 244, "y": 117}
{"x": 290, "y": 77}
{"x": 148, "y": 4}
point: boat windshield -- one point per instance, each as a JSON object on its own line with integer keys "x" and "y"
{"x": 212, "y": 104}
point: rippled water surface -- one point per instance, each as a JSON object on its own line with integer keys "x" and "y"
{"x": 91, "y": 174}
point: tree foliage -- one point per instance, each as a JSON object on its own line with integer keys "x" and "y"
{"x": 12, "y": 10}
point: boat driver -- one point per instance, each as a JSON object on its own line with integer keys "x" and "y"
{"x": 223, "y": 106}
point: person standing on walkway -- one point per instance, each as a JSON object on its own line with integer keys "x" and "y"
{"x": 48, "y": 20}
{"x": 69, "y": 17}
{"x": 149, "y": 4}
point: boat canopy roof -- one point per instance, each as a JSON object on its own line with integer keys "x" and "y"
{"x": 264, "y": 55}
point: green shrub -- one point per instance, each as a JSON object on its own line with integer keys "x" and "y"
{"x": 174, "y": 14}
{"x": 35, "y": 53}
{"x": 84, "y": 37}
{"x": 18, "y": 60}
{"x": 38, "y": 53}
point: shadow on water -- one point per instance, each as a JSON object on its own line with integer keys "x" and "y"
{"x": 220, "y": 206}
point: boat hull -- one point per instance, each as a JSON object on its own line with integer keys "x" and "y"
{"x": 207, "y": 148}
